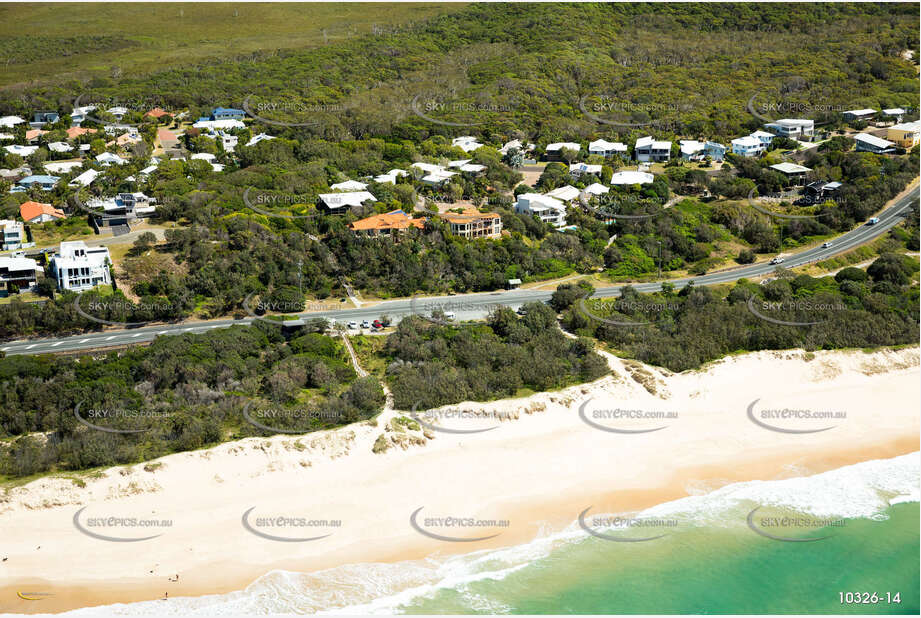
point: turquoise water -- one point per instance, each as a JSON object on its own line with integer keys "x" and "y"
{"x": 708, "y": 570}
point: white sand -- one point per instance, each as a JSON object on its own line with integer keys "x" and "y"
{"x": 539, "y": 470}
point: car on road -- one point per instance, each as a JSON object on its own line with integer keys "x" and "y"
{"x": 873, "y": 221}
{"x": 353, "y": 325}
{"x": 777, "y": 260}
{"x": 826, "y": 245}
{"x": 449, "y": 315}
{"x": 366, "y": 324}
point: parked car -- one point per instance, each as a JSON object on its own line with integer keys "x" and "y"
{"x": 353, "y": 325}
{"x": 377, "y": 324}
{"x": 366, "y": 324}
{"x": 777, "y": 260}
{"x": 449, "y": 315}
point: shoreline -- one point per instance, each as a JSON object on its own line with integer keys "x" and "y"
{"x": 538, "y": 471}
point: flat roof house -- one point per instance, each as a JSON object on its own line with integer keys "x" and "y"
{"x": 894, "y": 113}
{"x": 388, "y": 224}
{"x": 747, "y": 146}
{"x": 907, "y": 135}
{"x": 547, "y": 209}
{"x": 628, "y": 177}
{"x": 474, "y": 224}
{"x": 859, "y": 114}
{"x": 648, "y": 149}
{"x": 42, "y": 118}
{"x": 871, "y": 143}
{"x": 793, "y": 128}
{"x": 13, "y": 236}
{"x": 796, "y": 174}
{"x": 607, "y": 149}
{"x": 339, "y": 203}
{"x": 78, "y": 267}
{"x": 17, "y": 271}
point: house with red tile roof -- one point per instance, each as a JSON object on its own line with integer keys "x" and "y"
{"x": 387, "y": 224}
{"x": 37, "y": 212}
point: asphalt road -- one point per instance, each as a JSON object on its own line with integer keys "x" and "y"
{"x": 466, "y": 306}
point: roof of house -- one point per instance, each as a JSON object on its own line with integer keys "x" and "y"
{"x": 792, "y": 122}
{"x": 894, "y": 111}
{"x": 596, "y": 189}
{"x": 861, "y": 112}
{"x": 760, "y": 134}
{"x": 393, "y": 220}
{"x": 565, "y": 193}
{"x": 538, "y": 199}
{"x": 878, "y": 142}
{"x": 604, "y": 145}
{"x": 157, "y": 112}
{"x": 790, "y": 168}
{"x": 41, "y": 179}
{"x": 17, "y": 264}
{"x": 469, "y": 214}
{"x": 628, "y": 177}
{"x": 33, "y": 133}
{"x": 907, "y": 126}
{"x": 31, "y": 210}
{"x": 73, "y": 132}
{"x": 561, "y": 145}
{"x": 584, "y": 167}
{"x": 748, "y": 140}
{"x": 349, "y": 185}
{"x": 643, "y": 142}
{"x": 691, "y": 146}
{"x": 353, "y": 198}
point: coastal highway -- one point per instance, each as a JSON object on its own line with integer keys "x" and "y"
{"x": 465, "y": 306}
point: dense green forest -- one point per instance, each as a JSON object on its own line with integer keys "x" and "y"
{"x": 431, "y": 365}
{"x": 682, "y": 330}
{"x": 180, "y": 393}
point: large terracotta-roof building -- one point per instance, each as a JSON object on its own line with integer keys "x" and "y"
{"x": 37, "y": 212}
{"x": 474, "y": 224}
{"x": 386, "y": 224}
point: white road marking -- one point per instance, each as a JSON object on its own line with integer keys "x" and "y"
{"x": 110, "y": 338}
{"x": 83, "y": 341}
{"x": 31, "y": 346}
{"x": 54, "y": 345}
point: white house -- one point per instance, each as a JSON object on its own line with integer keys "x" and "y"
{"x": 556, "y": 149}
{"x": 391, "y": 176}
{"x": 764, "y": 137}
{"x": 547, "y": 209}
{"x": 747, "y": 146}
{"x": 349, "y": 185}
{"x": 607, "y": 149}
{"x": 859, "y": 114}
{"x": 566, "y": 193}
{"x": 85, "y": 179}
{"x": 631, "y": 178}
{"x": 78, "y": 267}
{"x": 13, "y": 235}
{"x": 259, "y": 138}
{"x": 871, "y": 143}
{"x": 107, "y": 159}
{"x": 793, "y": 171}
{"x": 648, "y": 149}
{"x": 63, "y": 167}
{"x": 212, "y": 126}
{"x": 204, "y": 156}
{"x": 10, "y": 121}
{"x": 466, "y": 143}
{"x": 596, "y": 189}
{"x": 80, "y": 113}
{"x": 577, "y": 169}
{"x": 794, "y": 128}
{"x": 517, "y": 145}
{"x": 19, "y": 271}
{"x": 338, "y": 203}
{"x": 22, "y": 151}
{"x": 691, "y": 149}
{"x": 894, "y": 113}
{"x": 60, "y": 147}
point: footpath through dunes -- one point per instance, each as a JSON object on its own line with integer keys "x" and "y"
{"x": 543, "y": 460}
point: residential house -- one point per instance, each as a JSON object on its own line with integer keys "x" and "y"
{"x": 13, "y": 235}
{"x": 715, "y": 151}
{"x": 547, "y": 209}
{"x": 871, "y": 143}
{"x": 607, "y": 149}
{"x": 747, "y": 146}
{"x": 60, "y": 147}
{"x": 62, "y": 167}
{"x": 894, "y": 114}
{"x": 38, "y": 212}
{"x": 123, "y": 209}
{"x": 349, "y": 185}
{"x": 795, "y": 174}
{"x": 794, "y": 128}
{"x": 465, "y": 166}
{"x": 79, "y": 114}
{"x": 517, "y": 145}
{"x": 227, "y": 113}
{"x": 907, "y": 135}
{"x": 78, "y": 267}
{"x": 554, "y": 151}
{"x": 85, "y": 179}
{"x": 128, "y": 139}
{"x": 19, "y": 272}
{"x": 228, "y": 141}
{"x": 596, "y": 188}
{"x": 627, "y": 177}
{"x": 75, "y": 132}
{"x": 118, "y": 111}
{"x": 10, "y": 121}
{"x": 259, "y": 138}
{"x": 578, "y": 169}
{"x": 43, "y": 118}
{"x": 157, "y": 113}
{"x": 391, "y": 176}
{"x": 46, "y": 183}
{"x": 860, "y": 114}
{"x": 108, "y": 159}
{"x": 435, "y": 175}
{"x": 691, "y": 149}
{"x": 820, "y": 190}
{"x": 339, "y": 203}
{"x": 32, "y": 135}
{"x": 648, "y": 149}
{"x": 22, "y": 151}
{"x": 765, "y": 138}
{"x": 566, "y": 193}
{"x": 389, "y": 224}
{"x": 474, "y": 224}
{"x": 223, "y": 124}
{"x": 466, "y": 143}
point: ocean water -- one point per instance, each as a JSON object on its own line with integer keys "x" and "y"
{"x": 712, "y": 555}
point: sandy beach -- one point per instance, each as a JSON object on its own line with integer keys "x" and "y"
{"x": 539, "y": 463}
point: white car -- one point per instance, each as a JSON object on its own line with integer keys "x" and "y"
{"x": 353, "y": 325}
{"x": 449, "y": 315}
{"x": 826, "y": 245}
{"x": 777, "y": 260}
{"x": 366, "y": 324}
